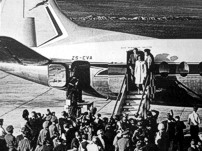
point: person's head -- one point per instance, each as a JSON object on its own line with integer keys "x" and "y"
{"x": 46, "y": 124}
{"x": 39, "y": 115}
{"x": 53, "y": 113}
{"x": 147, "y": 52}
{"x": 140, "y": 124}
{"x": 25, "y": 113}
{"x": 100, "y": 132}
{"x": 139, "y": 58}
{"x": 98, "y": 115}
{"x": 135, "y": 50}
{"x": 1, "y": 121}
{"x": 169, "y": 117}
{"x": 48, "y": 111}
{"x": 25, "y": 133}
{"x": 84, "y": 137}
{"x": 177, "y": 118}
{"x": 116, "y": 118}
{"x": 48, "y": 118}
{"x": 54, "y": 119}
{"x": 192, "y": 143}
{"x": 78, "y": 135}
{"x": 161, "y": 127}
{"x": 195, "y": 108}
{"x": 132, "y": 121}
{"x": 63, "y": 113}
{"x": 10, "y": 129}
{"x": 199, "y": 143}
{"x": 149, "y": 114}
{"x": 33, "y": 114}
{"x": 95, "y": 139}
{"x": 105, "y": 120}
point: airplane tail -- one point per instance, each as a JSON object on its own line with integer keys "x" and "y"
{"x": 35, "y": 22}
{"x": 41, "y": 22}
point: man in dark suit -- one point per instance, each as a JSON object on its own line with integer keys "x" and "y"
{"x": 179, "y": 136}
{"x": 76, "y": 142}
{"x": 131, "y": 62}
{"x": 102, "y": 140}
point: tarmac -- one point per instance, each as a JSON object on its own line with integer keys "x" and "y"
{"x": 17, "y": 94}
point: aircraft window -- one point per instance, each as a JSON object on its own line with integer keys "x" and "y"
{"x": 200, "y": 68}
{"x": 105, "y": 72}
{"x": 164, "y": 69}
{"x": 183, "y": 69}
{"x": 57, "y": 75}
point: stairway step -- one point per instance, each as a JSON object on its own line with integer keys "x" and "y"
{"x": 131, "y": 107}
{"x": 132, "y": 103}
{"x": 134, "y": 96}
{"x": 135, "y": 93}
{"x": 130, "y": 113}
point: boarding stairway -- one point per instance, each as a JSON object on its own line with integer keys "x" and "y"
{"x": 132, "y": 103}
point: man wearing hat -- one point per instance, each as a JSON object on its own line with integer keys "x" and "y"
{"x": 124, "y": 143}
{"x": 53, "y": 130}
{"x": 102, "y": 140}
{"x": 149, "y": 59}
{"x": 132, "y": 60}
{"x": 10, "y": 139}
{"x": 24, "y": 144}
{"x": 43, "y": 136}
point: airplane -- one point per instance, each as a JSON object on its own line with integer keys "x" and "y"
{"x": 39, "y": 43}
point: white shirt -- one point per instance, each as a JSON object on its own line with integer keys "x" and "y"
{"x": 92, "y": 147}
{"x": 193, "y": 119}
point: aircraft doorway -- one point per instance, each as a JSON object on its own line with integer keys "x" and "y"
{"x": 131, "y": 59}
{"x": 81, "y": 70}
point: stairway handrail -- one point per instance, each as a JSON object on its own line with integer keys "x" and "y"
{"x": 119, "y": 95}
{"x": 188, "y": 88}
{"x": 145, "y": 87}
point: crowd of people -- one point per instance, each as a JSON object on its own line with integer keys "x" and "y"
{"x": 92, "y": 132}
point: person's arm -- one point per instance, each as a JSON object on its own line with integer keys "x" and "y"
{"x": 171, "y": 113}
{"x": 189, "y": 121}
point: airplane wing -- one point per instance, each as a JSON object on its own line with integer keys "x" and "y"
{"x": 12, "y": 51}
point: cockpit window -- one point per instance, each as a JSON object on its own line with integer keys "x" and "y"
{"x": 164, "y": 69}
{"x": 183, "y": 69}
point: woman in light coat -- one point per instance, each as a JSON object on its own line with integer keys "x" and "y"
{"x": 140, "y": 72}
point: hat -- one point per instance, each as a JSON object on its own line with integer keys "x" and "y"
{"x": 45, "y": 124}
{"x": 9, "y": 128}
{"x": 147, "y": 50}
{"x": 48, "y": 118}
{"x": 125, "y": 132}
{"x": 53, "y": 119}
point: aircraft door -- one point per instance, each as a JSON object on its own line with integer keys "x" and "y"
{"x": 81, "y": 69}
